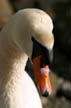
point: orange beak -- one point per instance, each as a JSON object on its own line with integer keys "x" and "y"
{"x": 42, "y": 76}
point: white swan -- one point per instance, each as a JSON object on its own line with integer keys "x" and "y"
{"x": 16, "y": 87}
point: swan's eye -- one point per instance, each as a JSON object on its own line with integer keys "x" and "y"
{"x": 38, "y": 50}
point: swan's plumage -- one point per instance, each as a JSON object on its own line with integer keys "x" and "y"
{"x": 15, "y": 48}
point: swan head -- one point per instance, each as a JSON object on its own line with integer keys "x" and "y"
{"x": 36, "y": 24}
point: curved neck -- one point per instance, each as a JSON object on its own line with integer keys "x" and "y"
{"x": 12, "y": 62}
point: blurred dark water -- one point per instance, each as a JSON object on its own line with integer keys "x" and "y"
{"x": 62, "y": 33}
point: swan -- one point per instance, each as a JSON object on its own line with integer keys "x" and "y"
{"x": 17, "y": 89}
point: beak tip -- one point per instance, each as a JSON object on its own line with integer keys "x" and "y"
{"x": 45, "y": 94}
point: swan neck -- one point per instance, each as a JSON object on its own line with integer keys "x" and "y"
{"x": 12, "y": 63}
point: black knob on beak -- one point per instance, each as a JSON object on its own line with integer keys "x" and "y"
{"x": 47, "y": 54}
{"x": 47, "y": 57}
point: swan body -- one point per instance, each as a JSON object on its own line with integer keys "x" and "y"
{"x": 16, "y": 87}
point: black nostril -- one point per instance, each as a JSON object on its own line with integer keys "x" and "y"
{"x": 45, "y": 94}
